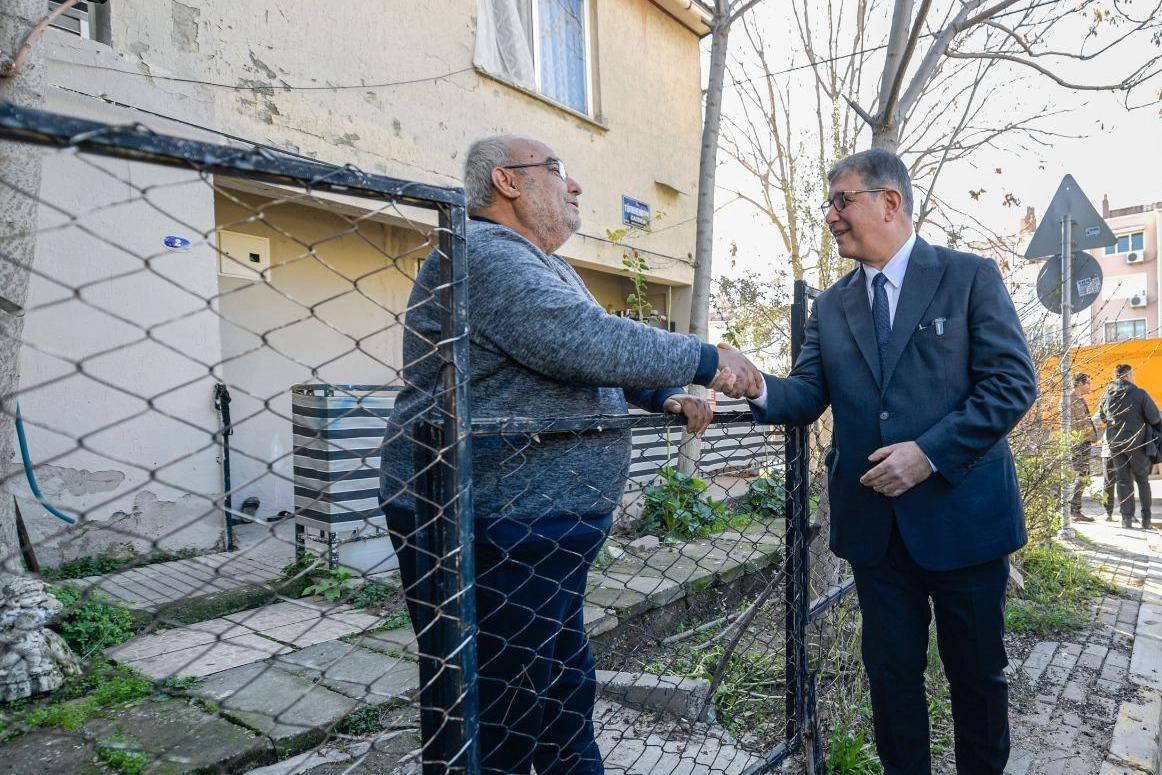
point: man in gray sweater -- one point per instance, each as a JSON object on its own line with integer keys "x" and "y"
{"x": 540, "y": 346}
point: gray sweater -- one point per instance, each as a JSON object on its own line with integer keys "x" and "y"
{"x": 540, "y": 346}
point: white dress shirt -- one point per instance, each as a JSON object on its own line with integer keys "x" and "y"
{"x": 894, "y": 270}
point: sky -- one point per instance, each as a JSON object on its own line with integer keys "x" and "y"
{"x": 1111, "y": 151}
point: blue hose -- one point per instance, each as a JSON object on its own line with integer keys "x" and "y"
{"x": 31, "y": 477}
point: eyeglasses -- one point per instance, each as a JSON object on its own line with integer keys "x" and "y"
{"x": 555, "y": 165}
{"x": 843, "y": 198}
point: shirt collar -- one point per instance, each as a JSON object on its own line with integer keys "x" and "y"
{"x": 896, "y": 267}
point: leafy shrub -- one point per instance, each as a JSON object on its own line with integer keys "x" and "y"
{"x": 371, "y": 594}
{"x": 851, "y": 752}
{"x": 333, "y": 585}
{"x": 90, "y": 623}
{"x": 766, "y": 498}
{"x": 678, "y": 507}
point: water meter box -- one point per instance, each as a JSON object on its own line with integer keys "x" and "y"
{"x": 338, "y": 430}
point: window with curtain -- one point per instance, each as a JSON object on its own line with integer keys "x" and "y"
{"x": 540, "y": 45}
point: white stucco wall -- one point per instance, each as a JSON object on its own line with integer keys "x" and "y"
{"x": 392, "y": 94}
{"x": 117, "y": 371}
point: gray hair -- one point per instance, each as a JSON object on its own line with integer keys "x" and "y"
{"x": 484, "y": 155}
{"x": 877, "y": 168}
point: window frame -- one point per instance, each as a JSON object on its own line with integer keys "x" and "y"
{"x": 587, "y": 41}
{"x": 1115, "y": 249}
{"x": 1131, "y": 321}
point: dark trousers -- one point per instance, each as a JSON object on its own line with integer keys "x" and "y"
{"x": 1109, "y": 484}
{"x": 536, "y": 675}
{"x": 969, "y": 606}
{"x": 1133, "y": 467}
{"x": 1080, "y": 461}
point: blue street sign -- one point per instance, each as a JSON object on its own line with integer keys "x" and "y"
{"x": 634, "y": 213}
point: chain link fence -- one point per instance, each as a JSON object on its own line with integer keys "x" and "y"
{"x": 210, "y": 348}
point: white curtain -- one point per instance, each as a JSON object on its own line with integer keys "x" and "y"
{"x": 504, "y": 40}
{"x": 562, "y": 37}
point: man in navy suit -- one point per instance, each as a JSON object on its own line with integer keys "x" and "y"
{"x": 926, "y": 371}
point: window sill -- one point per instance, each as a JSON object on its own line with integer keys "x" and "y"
{"x": 595, "y": 123}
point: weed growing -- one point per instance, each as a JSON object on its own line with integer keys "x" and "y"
{"x": 1058, "y": 588}
{"x": 90, "y": 622}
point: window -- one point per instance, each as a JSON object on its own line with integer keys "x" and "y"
{"x": 86, "y": 20}
{"x": 1127, "y": 242}
{"x": 540, "y": 45}
{"x": 1122, "y": 330}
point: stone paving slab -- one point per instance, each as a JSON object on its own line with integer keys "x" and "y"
{"x": 1146, "y": 662}
{"x": 209, "y": 658}
{"x": 1135, "y": 743}
{"x": 284, "y": 706}
{"x": 399, "y": 641}
{"x": 355, "y": 672}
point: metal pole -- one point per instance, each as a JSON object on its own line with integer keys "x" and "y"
{"x": 1066, "y": 366}
{"x": 445, "y": 557}
{"x": 800, "y": 726}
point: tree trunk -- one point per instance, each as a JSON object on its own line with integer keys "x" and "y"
{"x": 691, "y": 450}
{"x": 20, "y": 165}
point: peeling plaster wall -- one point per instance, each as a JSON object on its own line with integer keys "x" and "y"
{"x": 394, "y": 93}
{"x": 116, "y": 380}
{"x": 409, "y": 101}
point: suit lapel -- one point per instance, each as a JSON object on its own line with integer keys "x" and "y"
{"x": 920, "y": 283}
{"x": 858, "y": 312}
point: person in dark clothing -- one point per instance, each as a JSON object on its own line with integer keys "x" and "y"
{"x": 1086, "y": 433}
{"x": 1127, "y": 410}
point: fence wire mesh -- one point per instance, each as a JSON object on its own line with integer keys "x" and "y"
{"x": 211, "y": 346}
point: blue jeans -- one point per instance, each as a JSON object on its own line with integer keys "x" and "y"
{"x": 536, "y": 675}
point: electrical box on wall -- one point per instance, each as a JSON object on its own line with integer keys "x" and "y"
{"x": 243, "y": 255}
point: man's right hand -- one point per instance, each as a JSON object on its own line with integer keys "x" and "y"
{"x": 737, "y": 377}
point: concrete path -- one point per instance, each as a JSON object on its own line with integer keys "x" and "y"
{"x": 1092, "y": 703}
{"x": 304, "y": 675}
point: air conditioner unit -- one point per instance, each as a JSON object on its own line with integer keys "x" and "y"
{"x": 1139, "y": 300}
{"x": 1135, "y": 258}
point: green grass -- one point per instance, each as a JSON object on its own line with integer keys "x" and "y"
{"x": 118, "y": 753}
{"x": 750, "y": 696}
{"x": 850, "y": 751}
{"x": 1058, "y": 588}
{"x": 78, "y": 699}
{"x": 100, "y": 564}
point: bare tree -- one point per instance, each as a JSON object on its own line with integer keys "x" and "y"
{"x": 941, "y": 76}
{"x": 726, "y": 13}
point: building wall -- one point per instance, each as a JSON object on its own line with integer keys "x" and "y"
{"x": 409, "y": 100}
{"x": 1123, "y": 281}
{"x": 391, "y": 94}
{"x": 117, "y": 371}
{"x": 328, "y": 311}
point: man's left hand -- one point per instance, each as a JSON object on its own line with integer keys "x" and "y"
{"x": 899, "y": 468}
{"x": 697, "y": 411}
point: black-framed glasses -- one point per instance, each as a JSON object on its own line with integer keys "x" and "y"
{"x": 554, "y": 164}
{"x": 843, "y": 198}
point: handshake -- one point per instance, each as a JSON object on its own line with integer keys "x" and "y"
{"x": 736, "y": 377}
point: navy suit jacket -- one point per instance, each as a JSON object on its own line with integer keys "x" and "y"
{"x": 957, "y": 378}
